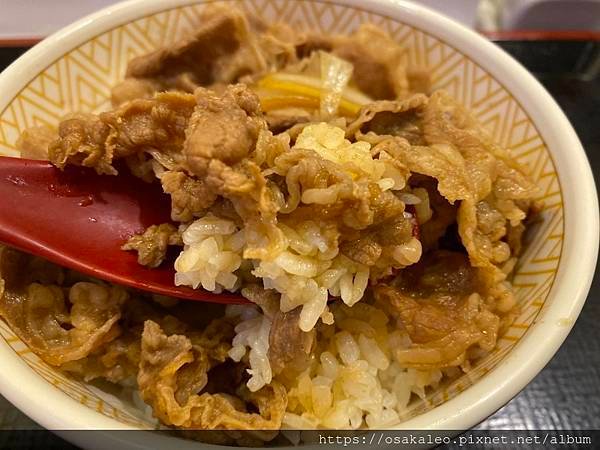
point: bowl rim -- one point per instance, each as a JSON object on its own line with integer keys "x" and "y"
{"x": 541, "y": 341}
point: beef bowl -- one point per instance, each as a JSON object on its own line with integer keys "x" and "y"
{"x": 410, "y": 214}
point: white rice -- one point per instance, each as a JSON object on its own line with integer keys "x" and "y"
{"x": 309, "y": 278}
{"x": 211, "y": 255}
{"x": 252, "y": 337}
{"x": 356, "y": 382}
{"x": 306, "y": 272}
{"x": 330, "y": 143}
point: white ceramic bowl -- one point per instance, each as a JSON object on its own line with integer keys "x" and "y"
{"x": 74, "y": 68}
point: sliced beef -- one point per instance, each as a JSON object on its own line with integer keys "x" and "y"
{"x": 288, "y": 344}
{"x": 153, "y": 243}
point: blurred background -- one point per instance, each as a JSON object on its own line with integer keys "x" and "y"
{"x": 31, "y": 19}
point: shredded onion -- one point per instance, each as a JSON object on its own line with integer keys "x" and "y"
{"x": 335, "y": 74}
{"x": 329, "y": 92}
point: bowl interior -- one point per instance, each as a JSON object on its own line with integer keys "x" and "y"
{"x": 80, "y": 80}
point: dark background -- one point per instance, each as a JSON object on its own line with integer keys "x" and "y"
{"x": 566, "y": 394}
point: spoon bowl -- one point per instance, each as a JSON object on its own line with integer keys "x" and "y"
{"x": 79, "y": 219}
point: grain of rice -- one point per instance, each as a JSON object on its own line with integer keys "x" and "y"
{"x": 409, "y": 199}
{"x": 252, "y": 338}
{"x": 408, "y": 253}
{"x": 422, "y": 208}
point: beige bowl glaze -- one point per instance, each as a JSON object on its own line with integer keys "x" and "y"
{"x": 75, "y": 68}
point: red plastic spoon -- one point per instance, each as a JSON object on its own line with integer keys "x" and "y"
{"x": 79, "y": 219}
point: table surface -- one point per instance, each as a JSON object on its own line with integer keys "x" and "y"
{"x": 566, "y": 394}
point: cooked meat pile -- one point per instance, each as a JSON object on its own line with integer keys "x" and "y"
{"x": 416, "y": 195}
